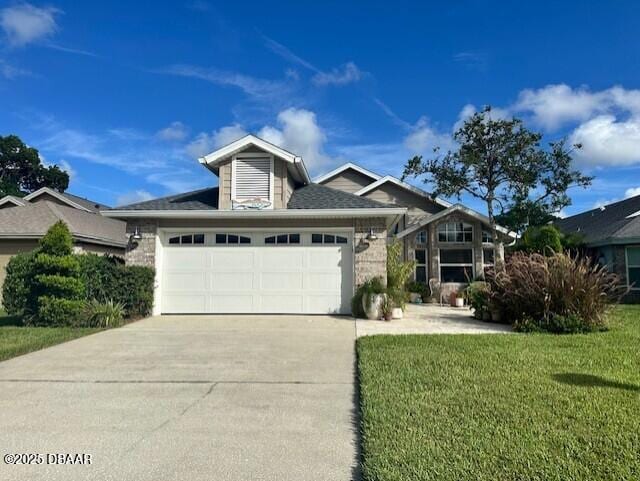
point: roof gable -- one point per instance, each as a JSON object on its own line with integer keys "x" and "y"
{"x": 11, "y": 200}
{"x": 343, "y": 168}
{"x": 47, "y": 192}
{"x": 215, "y": 158}
{"x": 390, "y": 180}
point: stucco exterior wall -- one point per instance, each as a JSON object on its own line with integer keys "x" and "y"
{"x": 417, "y": 205}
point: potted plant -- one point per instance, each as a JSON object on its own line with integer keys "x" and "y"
{"x": 387, "y": 308}
{"x": 478, "y": 294}
{"x": 459, "y": 299}
{"x": 372, "y": 298}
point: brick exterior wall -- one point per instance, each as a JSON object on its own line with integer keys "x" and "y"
{"x": 370, "y": 258}
{"x": 143, "y": 251}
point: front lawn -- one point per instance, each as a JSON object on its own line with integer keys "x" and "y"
{"x": 537, "y": 407}
{"x": 16, "y": 339}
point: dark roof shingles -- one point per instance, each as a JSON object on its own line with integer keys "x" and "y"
{"x": 203, "y": 199}
{"x": 316, "y": 196}
{"x": 610, "y": 222}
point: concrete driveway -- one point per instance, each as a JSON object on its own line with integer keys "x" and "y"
{"x": 188, "y": 398}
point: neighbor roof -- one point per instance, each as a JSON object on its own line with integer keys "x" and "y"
{"x": 69, "y": 199}
{"x": 33, "y": 221}
{"x": 212, "y": 160}
{"x": 348, "y": 166}
{"x": 12, "y": 199}
{"x": 613, "y": 223}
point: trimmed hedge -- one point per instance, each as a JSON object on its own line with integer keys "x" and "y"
{"x": 17, "y": 281}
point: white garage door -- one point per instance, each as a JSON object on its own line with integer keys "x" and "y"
{"x": 258, "y": 272}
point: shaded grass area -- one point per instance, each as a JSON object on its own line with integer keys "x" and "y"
{"x": 503, "y": 407}
{"x": 16, "y": 339}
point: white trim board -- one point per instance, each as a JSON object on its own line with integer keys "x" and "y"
{"x": 404, "y": 185}
{"x": 11, "y": 199}
{"x": 342, "y": 168}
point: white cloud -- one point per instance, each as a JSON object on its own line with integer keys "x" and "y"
{"x": 348, "y": 73}
{"x": 298, "y": 131}
{"x": 632, "y": 192}
{"x": 607, "y": 141}
{"x": 288, "y": 55}
{"x": 133, "y": 197}
{"x": 24, "y": 23}
{"x": 10, "y": 72}
{"x": 174, "y": 132}
{"x": 424, "y": 138}
{"x": 205, "y": 143}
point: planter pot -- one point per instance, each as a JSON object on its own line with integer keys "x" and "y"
{"x": 415, "y": 298}
{"x": 452, "y": 299}
{"x": 396, "y": 313}
{"x": 496, "y": 316}
{"x": 372, "y": 305}
{"x": 459, "y": 301}
{"x": 486, "y": 316}
{"x": 388, "y": 316}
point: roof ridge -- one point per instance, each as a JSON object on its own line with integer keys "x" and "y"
{"x": 349, "y": 194}
{"x": 120, "y": 207}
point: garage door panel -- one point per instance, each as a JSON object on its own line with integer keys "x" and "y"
{"x": 234, "y": 258}
{"x": 185, "y": 303}
{"x": 184, "y": 281}
{"x": 232, "y": 303}
{"x": 323, "y": 281}
{"x": 281, "y": 281}
{"x": 281, "y": 258}
{"x": 314, "y": 279}
{"x": 185, "y": 258}
{"x": 232, "y": 281}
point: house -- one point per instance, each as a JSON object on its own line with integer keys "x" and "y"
{"x": 611, "y": 234}
{"x": 268, "y": 239}
{"x": 24, "y": 220}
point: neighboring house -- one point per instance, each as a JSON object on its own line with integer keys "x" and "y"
{"x": 23, "y": 221}
{"x": 612, "y": 236}
{"x": 269, "y": 240}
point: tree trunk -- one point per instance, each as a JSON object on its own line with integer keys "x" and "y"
{"x": 498, "y": 245}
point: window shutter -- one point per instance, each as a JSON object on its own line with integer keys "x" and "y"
{"x": 252, "y": 178}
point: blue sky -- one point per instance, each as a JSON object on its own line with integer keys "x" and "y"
{"x": 127, "y": 94}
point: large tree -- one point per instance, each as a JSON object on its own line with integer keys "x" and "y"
{"x": 502, "y": 163}
{"x": 22, "y": 172}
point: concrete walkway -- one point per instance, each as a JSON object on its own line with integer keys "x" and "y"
{"x": 188, "y": 398}
{"x": 431, "y": 319}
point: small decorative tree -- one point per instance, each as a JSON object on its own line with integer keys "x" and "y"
{"x": 56, "y": 293}
{"x": 398, "y": 274}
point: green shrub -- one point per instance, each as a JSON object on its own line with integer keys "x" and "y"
{"x": 135, "y": 289}
{"x": 557, "y": 293}
{"x": 398, "y": 273}
{"x": 56, "y": 311}
{"x": 101, "y": 276}
{"x": 371, "y": 286}
{"x": 543, "y": 240}
{"x": 102, "y": 314}
{"x": 55, "y": 292}
{"x": 15, "y": 289}
{"x": 478, "y": 294}
{"x": 57, "y": 241}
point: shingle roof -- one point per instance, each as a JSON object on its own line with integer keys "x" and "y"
{"x": 613, "y": 221}
{"x": 203, "y": 199}
{"x": 86, "y": 203}
{"x": 34, "y": 219}
{"x": 316, "y": 196}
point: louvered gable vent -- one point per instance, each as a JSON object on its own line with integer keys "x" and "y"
{"x": 252, "y": 178}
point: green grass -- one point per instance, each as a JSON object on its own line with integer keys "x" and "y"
{"x": 16, "y": 339}
{"x": 534, "y": 407}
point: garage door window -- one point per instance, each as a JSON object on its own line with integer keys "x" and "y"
{"x": 282, "y": 239}
{"x": 328, "y": 239}
{"x": 232, "y": 239}
{"x": 187, "y": 239}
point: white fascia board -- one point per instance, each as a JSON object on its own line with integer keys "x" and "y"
{"x": 262, "y": 214}
{"x": 57, "y": 195}
{"x": 342, "y": 168}
{"x": 404, "y": 185}
{"x": 450, "y": 210}
{"x": 10, "y": 199}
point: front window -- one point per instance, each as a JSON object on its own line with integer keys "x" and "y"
{"x": 455, "y": 232}
{"x": 633, "y": 267}
{"x": 421, "y": 265}
{"x": 421, "y": 237}
{"x": 456, "y": 265}
{"x": 487, "y": 237}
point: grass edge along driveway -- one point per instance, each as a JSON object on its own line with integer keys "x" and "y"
{"x": 503, "y": 407}
{"x": 16, "y": 339}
